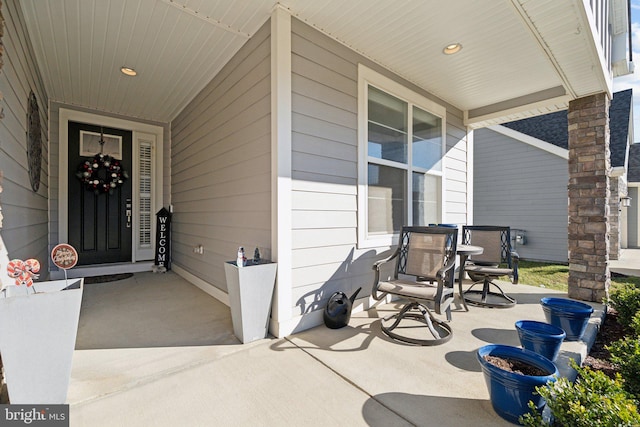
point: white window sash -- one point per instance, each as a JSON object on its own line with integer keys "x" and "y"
{"x": 367, "y": 77}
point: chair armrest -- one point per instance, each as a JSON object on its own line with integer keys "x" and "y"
{"x": 377, "y": 264}
{"x": 441, "y": 274}
{"x": 515, "y": 259}
{"x": 376, "y": 280}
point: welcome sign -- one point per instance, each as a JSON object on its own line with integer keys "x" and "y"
{"x": 163, "y": 239}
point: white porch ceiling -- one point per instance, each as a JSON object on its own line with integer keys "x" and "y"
{"x": 519, "y": 57}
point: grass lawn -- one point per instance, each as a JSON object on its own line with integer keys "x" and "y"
{"x": 556, "y": 276}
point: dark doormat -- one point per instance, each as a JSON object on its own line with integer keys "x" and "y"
{"x": 106, "y": 278}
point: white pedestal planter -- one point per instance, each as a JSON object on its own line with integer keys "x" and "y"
{"x": 250, "y": 294}
{"x": 37, "y": 339}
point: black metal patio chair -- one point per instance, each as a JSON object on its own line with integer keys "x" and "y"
{"x": 423, "y": 275}
{"x": 497, "y": 260}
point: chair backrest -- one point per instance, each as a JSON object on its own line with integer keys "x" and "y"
{"x": 425, "y": 250}
{"x": 495, "y": 240}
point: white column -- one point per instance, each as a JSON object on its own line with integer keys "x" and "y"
{"x": 470, "y": 173}
{"x": 281, "y": 233}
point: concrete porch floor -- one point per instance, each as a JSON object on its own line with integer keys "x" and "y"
{"x": 156, "y": 350}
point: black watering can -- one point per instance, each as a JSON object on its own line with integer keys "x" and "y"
{"x": 338, "y": 310}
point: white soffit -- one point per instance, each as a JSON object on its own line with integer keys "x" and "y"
{"x": 409, "y": 36}
{"x": 178, "y": 46}
{"x": 80, "y": 46}
{"x": 567, "y": 36}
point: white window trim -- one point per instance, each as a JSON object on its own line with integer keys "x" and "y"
{"x": 138, "y": 130}
{"x": 366, "y": 77}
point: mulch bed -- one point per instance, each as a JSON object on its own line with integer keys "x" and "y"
{"x": 610, "y": 331}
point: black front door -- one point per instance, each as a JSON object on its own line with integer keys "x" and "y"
{"x": 99, "y": 218}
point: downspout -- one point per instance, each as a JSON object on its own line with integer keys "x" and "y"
{"x": 630, "y": 34}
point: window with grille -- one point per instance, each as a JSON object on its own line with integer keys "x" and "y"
{"x": 402, "y": 147}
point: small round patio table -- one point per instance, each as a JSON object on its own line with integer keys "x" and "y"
{"x": 465, "y": 251}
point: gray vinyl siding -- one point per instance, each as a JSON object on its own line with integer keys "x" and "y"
{"x": 524, "y": 187}
{"x": 221, "y": 166}
{"x": 24, "y": 228}
{"x": 325, "y": 170}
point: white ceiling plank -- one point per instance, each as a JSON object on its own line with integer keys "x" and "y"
{"x": 36, "y": 37}
{"x": 177, "y": 47}
{"x": 220, "y": 23}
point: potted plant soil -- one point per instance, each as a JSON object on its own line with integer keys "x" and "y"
{"x": 512, "y": 375}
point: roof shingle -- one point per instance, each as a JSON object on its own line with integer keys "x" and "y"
{"x": 552, "y": 128}
{"x": 634, "y": 163}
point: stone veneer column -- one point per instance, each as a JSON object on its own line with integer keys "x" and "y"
{"x": 589, "y": 193}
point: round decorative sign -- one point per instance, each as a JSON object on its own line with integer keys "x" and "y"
{"x": 34, "y": 142}
{"x": 64, "y": 256}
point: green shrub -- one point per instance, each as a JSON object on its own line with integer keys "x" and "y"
{"x": 635, "y": 324}
{"x": 595, "y": 400}
{"x": 626, "y": 301}
{"x": 626, "y": 354}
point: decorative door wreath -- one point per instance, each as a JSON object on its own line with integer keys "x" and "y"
{"x": 103, "y": 173}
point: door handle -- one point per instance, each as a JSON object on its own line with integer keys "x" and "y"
{"x": 128, "y": 212}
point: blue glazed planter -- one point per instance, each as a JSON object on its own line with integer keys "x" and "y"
{"x": 511, "y": 392}
{"x": 540, "y": 337}
{"x": 572, "y": 316}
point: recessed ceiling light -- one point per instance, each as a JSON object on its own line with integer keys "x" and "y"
{"x": 128, "y": 71}
{"x": 452, "y": 48}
